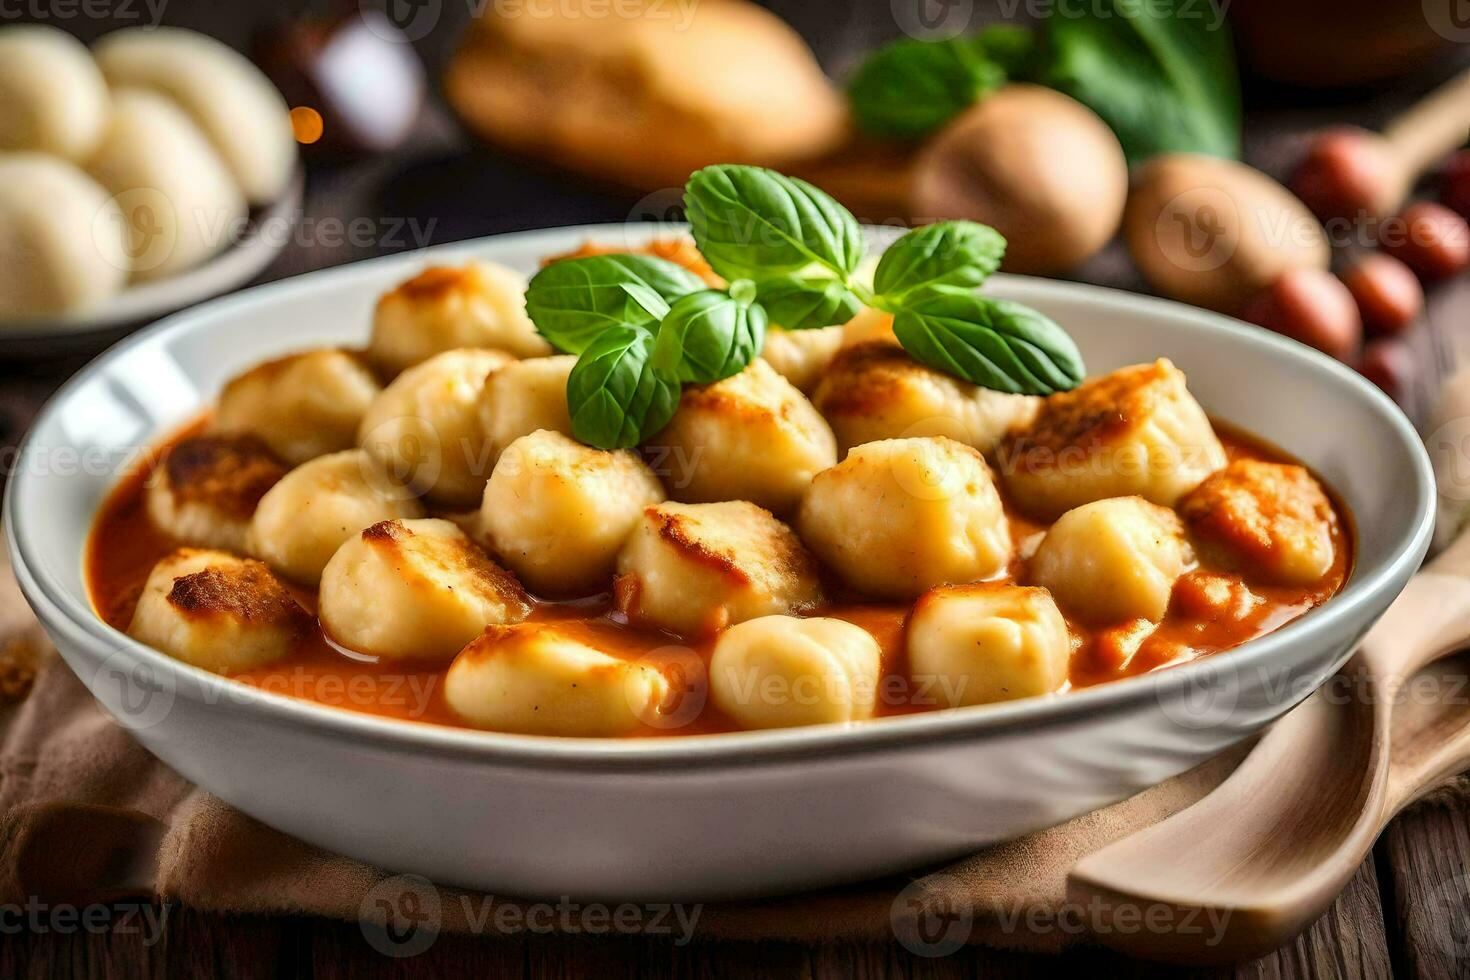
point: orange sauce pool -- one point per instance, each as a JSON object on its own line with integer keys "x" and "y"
{"x": 124, "y": 545}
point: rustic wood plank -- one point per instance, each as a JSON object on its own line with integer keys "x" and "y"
{"x": 1427, "y": 850}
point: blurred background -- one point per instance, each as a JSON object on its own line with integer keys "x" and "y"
{"x": 1101, "y": 136}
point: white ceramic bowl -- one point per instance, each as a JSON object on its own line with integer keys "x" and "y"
{"x": 714, "y": 816}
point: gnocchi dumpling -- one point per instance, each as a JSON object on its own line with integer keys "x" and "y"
{"x": 557, "y": 512}
{"x": 1272, "y": 519}
{"x": 901, "y": 515}
{"x": 53, "y": 100}
{"x": 302, "y": 405}
{"x": 478, "y": 304}
{"x": 205, "y": 490}
{"x": 694, "y": 569}
{"x": 1115, "y": 559}
{"x": 217, "y": 611}
{"x": 415, "y": 590}
{"x": 875, "y": 390}
{"x": 524, "y": 396}
{"x": 302, "y": 520}
{"x": 179, "y": 200}
{"x": 801, "y": 356}
{"x": 752, "y": 437}
{"x": 985, "y": 642}
{"x": 534, "y": 679}
{"x": 1135, "y": 432}
{"x": 425, "y": 427}
{"x": 780, "y": 672}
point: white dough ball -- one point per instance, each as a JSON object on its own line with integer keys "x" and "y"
{"x": 780, "y": 672}
{"x": 302, "y": 520}
{"x": 901, "y": 515}
{"x": 425, "y": 426}
{"x": 1137, "y": 431}
{"x": 694, "y": 569}
{"x": 874, "y": 390}
{"x": 217, "y": 611}
{"x": 1113, "y": 560}
{"x": 63, "y": 240}
{"x": 750, "y": 437}
{"x": 302, "y": 405}
{"x": 478, "y": 304}
{"x": 557, "y": 512}
{"x": 985, "y": 642}
{"x": 206, "y": 489}
{"x": 525, "y": 396}
{"x": 227, "y": 97}
{"x": 801, "y": 356}
{"x": 181, "y": 204}
{"x": 532, "y": 679}
{"x": 415, "y": 590}
{"x": 52, "y": 97}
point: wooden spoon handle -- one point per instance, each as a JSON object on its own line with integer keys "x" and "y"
{"x": 1430, "y": 619}
{"x": 1436, "y": 125}
{"x": 1430, "y": 739}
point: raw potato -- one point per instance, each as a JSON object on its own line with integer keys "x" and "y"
{"x": 226, "y": 96}
{"x": 1113, "y": 560}
{"x": 63, "y": 241}
{"x": 1215, "y": 232}
{"x": 986, "y": 642}
{"x": 303, "y": 405}
{"x": 181, "y": 203}
{"x": 533, "y": 679}
{"x": 1273, "y": 519}
{"x": 217, "y": 611}
{"x": 415, "y": 590}
{"x": 1039, "y": 167}
{"x": 874, "y": 390}
{"x": 750, "y": 437}
{"x": 901, "y": 515}
{"x": 694, "y": 569}
{"x": 801, "y": 356}
{"x": 649, "y": 94}
{"x": 478, "y": 304}
{"x": 302, "y": 520}
{"x": 780, "y": 672}
{"x": 425, "y": 426}
{"x": 1135, "y": 431}
{"x": 557, "y": 512}
{"x": 207, "y": 487}
{"x": 525, "y": 396}
{"x": 53, "y": 99}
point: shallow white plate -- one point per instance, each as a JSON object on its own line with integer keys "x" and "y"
{"x": 713, "y": 816}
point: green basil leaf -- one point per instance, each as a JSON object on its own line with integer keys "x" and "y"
{"x": 709, "y": 335}
{"x": 1161, "y": 74}
{"x": 993, "y": 343}
{"x": 753, "y": 223}
{"x": 909, "y": 88}
{"x": 805, "y": 302}
{"x": 572, "y": 301}
{"x": 615, "y": 397}
{"x": 946, "y": 253}
{"x": 1011, "y": 47}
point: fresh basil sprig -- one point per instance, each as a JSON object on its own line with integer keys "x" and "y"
{"x": 643, "y": 327}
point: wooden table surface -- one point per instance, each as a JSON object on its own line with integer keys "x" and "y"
{"x": 1406, "y": 913}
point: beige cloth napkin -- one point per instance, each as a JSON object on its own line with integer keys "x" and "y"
{"x": 86, "y": 813}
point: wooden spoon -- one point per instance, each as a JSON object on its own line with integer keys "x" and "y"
{"x": 1245, "y": 869}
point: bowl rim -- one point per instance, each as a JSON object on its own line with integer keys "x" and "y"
{"x": 61, "y": 612}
